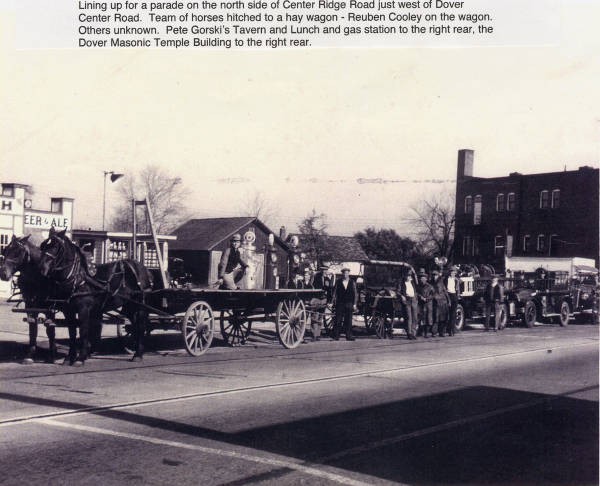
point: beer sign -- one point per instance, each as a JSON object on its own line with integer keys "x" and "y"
{"x": 46, "y": 221}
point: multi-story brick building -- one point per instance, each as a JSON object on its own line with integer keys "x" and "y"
{"x": 547, "y": 214}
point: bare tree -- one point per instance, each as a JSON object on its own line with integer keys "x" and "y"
{"x": 166, "y": 195}
{"x": 433, "y": 219}
{"x": 257, "y": 205}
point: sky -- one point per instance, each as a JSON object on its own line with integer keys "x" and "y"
{"x": 352, "y": 133}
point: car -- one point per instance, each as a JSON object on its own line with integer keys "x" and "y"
{"x": 557, "y": 295}
{"x": 378, "y": 300}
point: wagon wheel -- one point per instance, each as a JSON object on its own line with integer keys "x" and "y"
{"x": 235, "y": 327}
{"x": 290, "y": 323}
{"x": 378, "y": 324}
{"x": 368, "y": 321}
{"x": 198, "y": 328}
{"x": 328, "y": 319}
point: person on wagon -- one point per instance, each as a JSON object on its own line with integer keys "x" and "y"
{"x": 232, "y": 266}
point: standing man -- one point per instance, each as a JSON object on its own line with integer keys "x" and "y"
{"x": 232, "y": 266}
{"x": 494, "y": 297}
{"x": 345, "y": 298}
{"x": 425, "y": 295}
{"x": 440, "y": 304}
{"x": 453, "y": 289}
{"x": 408, "y": 295}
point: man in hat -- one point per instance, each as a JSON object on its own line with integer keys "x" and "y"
{"x": 425, "y": 296}
{"x": 345, "y": 298}
{"x": 408, "y": 294}
{"x": 453, "y": 290}
{"x": 440, "y": 304}
{"x": 493, "y": 297}
{"x": 232, "y": 265}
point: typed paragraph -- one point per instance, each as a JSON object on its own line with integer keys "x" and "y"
{"x": 271, "y": 24}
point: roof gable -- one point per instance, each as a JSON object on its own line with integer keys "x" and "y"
{"x": 205, "y": 234}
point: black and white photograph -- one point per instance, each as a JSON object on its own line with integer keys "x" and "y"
{"x": 325, "y": 265}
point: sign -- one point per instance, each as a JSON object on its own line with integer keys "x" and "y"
{"x": 6, "y": 205}
{"x": 46, "y": 221}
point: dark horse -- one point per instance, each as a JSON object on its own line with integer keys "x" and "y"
{"x": 119, "y": 285}
{"x": 22, "y": 256}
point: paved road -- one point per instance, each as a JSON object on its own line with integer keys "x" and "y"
{"x": 517, "y": 407}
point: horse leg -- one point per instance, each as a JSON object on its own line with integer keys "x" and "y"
{"x": 84, "y": 326}
{"x": 51, "y": 333}
{"x": 72, "y": 325}
{"x": 95, "y": 333}
{"x": 140, "y": 331}
{"x": 33, "y": 331}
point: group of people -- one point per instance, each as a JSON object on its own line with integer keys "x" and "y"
{"x": 429, "y": 305}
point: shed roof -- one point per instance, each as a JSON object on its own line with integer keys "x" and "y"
{"x": 206, "y": 233}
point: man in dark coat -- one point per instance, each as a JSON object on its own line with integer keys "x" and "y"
{"x": 440, "y": 304}
{"x": 232, "y": 265}
{"x": 494, "y": 297}
{"x": 453, "y": 290}
{"x": 345, "y": 298}
{"x": 425, "y": 295}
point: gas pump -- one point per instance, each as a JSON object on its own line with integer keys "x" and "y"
{"x": 271, "y": 280}
{"x": 293, "y": 260}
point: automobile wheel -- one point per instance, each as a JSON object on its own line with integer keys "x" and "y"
{"x": 564, "y": 313}
{"x": 530, "y": 314}
{"x": 459, "y": 323}
{"x": 503, "y": 316}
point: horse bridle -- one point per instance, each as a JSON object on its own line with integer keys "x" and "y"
{"x": 18, "y": 261}
{"x": 61, "y": 250}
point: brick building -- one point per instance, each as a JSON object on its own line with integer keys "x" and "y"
{"x": 549, "y": 214}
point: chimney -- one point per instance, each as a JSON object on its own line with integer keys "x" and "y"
{"x": 465, "y": 164}
{"x": 282, "y": 234}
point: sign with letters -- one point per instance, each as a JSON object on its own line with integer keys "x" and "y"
{"x": 46, "y": 221}
{"x": 6, "y": 205}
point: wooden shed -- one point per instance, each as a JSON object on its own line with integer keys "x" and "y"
{"x": 201, "y": 242}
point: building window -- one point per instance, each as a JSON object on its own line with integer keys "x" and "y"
{"x": 4, "y": 239}
{"x": 500, "y": 202}
{"x": 556, "y": 198}
{"x": 544, "y": 200}
{"x": 467, "y": 246}
{"x": 541, "y": 243}
{"x": 56, "y": 206}
{"x": 118, "y": 250}
{"x": 499, "y": 246}
{"x": 552, "y": 245}
{"x": 526, "y": 243}
{"x": 8, "y": 191}
{"x": 477, "y": 210}
{"x": 511, "y": 201}
{"x": 150, "y": 256}
{"x": 475, "y": 246}
{"x": 468, "y": 205}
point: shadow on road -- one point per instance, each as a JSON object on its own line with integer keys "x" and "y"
{"x": 475, "y": 435}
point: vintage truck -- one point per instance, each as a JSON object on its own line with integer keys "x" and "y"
{"x": 557, "y": 289}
